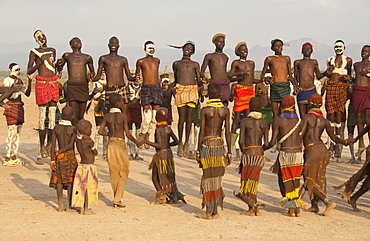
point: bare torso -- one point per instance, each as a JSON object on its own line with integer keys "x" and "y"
{"x": 283, "y": 126}
{"x": 84, "y": 149}
{"x": 262, "y": 91}
{"x": 244, "y": 66}
{"x": 360, "y": 68}
{"x": 280, "y": 67}
{"x": 115, "y": 123}
{"x": 253, "y": 130}
{"x": 76, "y": 65}
{"x": 48, "y": 54}
{"x": 114, "y": 66}
{"x": 214, "y": 117}
{"x": 217, "y": 64}
{"x": 149, "y": 68}
{"x": 304, "y": 72}
{"x": 186, "y": 72}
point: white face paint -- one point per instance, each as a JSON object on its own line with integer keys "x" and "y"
{"x": 339, "y": 48}
{"x": 16, "y": 71}
{"x": 150, "y": 49}
{"x": 40, "y": 38}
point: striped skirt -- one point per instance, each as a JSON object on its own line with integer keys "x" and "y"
{"x": 212, "y": 159}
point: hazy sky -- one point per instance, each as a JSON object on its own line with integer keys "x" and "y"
{"x": 175, "y": 21}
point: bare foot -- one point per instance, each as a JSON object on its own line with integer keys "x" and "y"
{"x": 297, "y": 212}
{"x": 329, "y": 206}
{"x": 257, "y": 211}
{"x": 205, "y": 216}
{"x": 39, "y": 161}
{"x": 70, "y": 210}
{"x": 250, "y": 212}
{"x": 353, "y": 204}
{"x": 290, "y": 213}
{"x": 119, "y": 205}
{"x": 314, "y": 209}
{"x": 60, "y": 209}
{"x": 360, "y": 151}
{"x": 88, "y": 212}
{"x": 215, "y": 216}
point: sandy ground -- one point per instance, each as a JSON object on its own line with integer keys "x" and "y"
{"x": 28, "y": 205}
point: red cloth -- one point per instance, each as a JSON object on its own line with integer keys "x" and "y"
{"x": 134, "y": 114}
{"x": 360, "y": 98}
{"x": 46, "y": 90}
{"x": 14, "y": 115}
{"x": 243, "y": 95}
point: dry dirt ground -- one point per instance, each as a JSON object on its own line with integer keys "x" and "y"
{"x": 28, "y": 205}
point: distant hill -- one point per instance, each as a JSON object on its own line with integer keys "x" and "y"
{"x": 18, "y": 52}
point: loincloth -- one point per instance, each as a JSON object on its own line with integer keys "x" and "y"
{"x": 14, "y": 115}
{"x": 336, "y": 96}
{"x": 134, "y": 114}
{"x": 243, "y": 95}
{"x": 86, "y": 181}
{"x": 77, "y": 91}
{"x": 291, "y": 167}
{"x": 225, "y": 88}
{"x": 267, "y": 114}
{"x": 250, "y": 169}
{"x": 165, "y": 164}
{"x": 186, "y": 94}
{"x": 316, "y": 157}
{"x": 151, "y": 94}
{"x": 360, "y": 98}
{"x": 305, "y": 94}
{"x": 120, "y": 89}
{"x": 46, "y": 90}
{"x": 66, "y": 165}
{"x": 213, "y": 164}
{"x": 278, "y": 90}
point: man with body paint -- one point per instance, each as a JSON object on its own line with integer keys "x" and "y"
{"x": 14, "y": 113}
{"x": 151, "y": 92}
{"x": 42, "y": 59}
{"x": 337, "y": 88}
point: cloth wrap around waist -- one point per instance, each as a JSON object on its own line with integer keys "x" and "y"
{"x": 66, "y": 164}
{"x": 336, "y": 96}
{"x": 46, "y": 90}
{"x": 304, "y": 94}
{"x": 77, "y": 91}
{"x": 151, "y": 94}
{"x": 278, "y": 90}
{"x": 15, "y": 114}
{"x": 165, "y": 166}
{"x": 243, "y": 95}
{"x": 360, "y": 98}
{"x": 186, "y": 94}
{"x": 212, "y": 159}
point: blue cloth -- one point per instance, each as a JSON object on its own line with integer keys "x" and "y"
{"x": 304, "y": 95}
{"x": 151, "y": 94}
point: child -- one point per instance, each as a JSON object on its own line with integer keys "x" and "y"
{"x": 162, "y": 165}
{"x": 63, "y": 161}
{"x": 85, "y": 187}
{"x": 134, "y": 117}
{"x": 14, "y": 113}
{"x": 118, "y": 161}
{"x": 168, "y": 92}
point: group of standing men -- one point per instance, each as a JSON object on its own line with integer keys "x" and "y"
{"x": 251, "y": 115}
